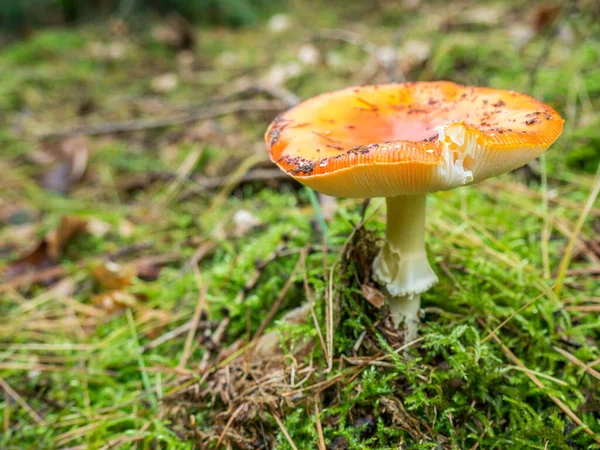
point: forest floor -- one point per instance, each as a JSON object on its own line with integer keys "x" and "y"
{"x": 147, "y": 243}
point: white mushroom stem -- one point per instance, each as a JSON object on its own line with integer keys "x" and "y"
{"x": 401, "y": 265}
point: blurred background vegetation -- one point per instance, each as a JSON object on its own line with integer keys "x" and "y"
{"x": 23, "y": 15}
{"x": 135, "y": 184}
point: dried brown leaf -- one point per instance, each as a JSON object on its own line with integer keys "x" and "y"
{"x": 111, "y": 275}
{"x": 69, "y": 166}
{"x": 57, "y": 239}
{"x": 373, "y": 296}
{"x": 50, "y": 248}
{"x": 114, "y": 301}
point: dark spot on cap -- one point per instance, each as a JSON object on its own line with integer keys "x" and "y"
{"x": 499, "y": 104}
{"x": 274, "y": 135}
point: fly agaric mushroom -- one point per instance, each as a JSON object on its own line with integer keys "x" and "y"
{"x": 401, "y": 142}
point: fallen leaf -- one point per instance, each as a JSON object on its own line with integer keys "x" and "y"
{"x": 57, "y": 239}
{"x": 50, "y": 248}
{"x": 114, "y": 301}
{"x": 148, "y": 272}
{"x": 111, "y": 275}
{"x": 69, "y": 165}
{"x": 57, "y": 178}
{"x": 373, "y": 296}
{"x": 37, "y": 259}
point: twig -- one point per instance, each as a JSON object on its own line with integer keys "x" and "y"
{"x": 319, "y": 427}
{"x": 187, "y": 348}
{"x": 17, "y": 398}
{"x": 60, "y": 271}
{"x": 284, "y": 430}
{"x": 505, "y": 321}
{"x": 309, "y": 299}
{"x": 228, "y": 424}
{"x": 277, "y": 92}
{"x": 233, "y": 180}
{"x": 140, "y": 359}
{"x": 254, "y": 175}
{"x": 583, "y": 308}
{"x": 15, "y": 366}
{"x": 182, "y": 173}
{"x": 578, "y": 362}
{"x": 540, "y": 374}
{"x": 584, "y": 271}
{"x": 205, "y": 248}
{"x": 214, "y": 340}
{"x": 193, "y": 115}
{"x": 175, "y": 332}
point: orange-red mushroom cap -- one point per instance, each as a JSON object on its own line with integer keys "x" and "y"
{"x": 409, "y": 138}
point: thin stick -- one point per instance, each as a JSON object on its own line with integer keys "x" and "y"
{"x": 319, "y": 427}
{"x": 566, "y": 259}
{"x": 6, "y": 412}
{"x": 193, "y": 115}
{"x": 181, "y": 175}
{"x": 312, "y": 310}
{"x": 228, "y": 424}
{"x": 18, "y": 366}
{"x": 584, "y": 308}
{"x": 578, "y": 362}
{"x": 140, "y": 359}
{"x": 175, "y": 332}
{"x": 545, "y": 237}
{"x": 284, "y": 430}
{"x": 540, "y": 374}
{"x": 505, "y": 321}
{"x": 253, "y": 175}
{"x": 17, "y": 398}
{"x": 187, "y": 348}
